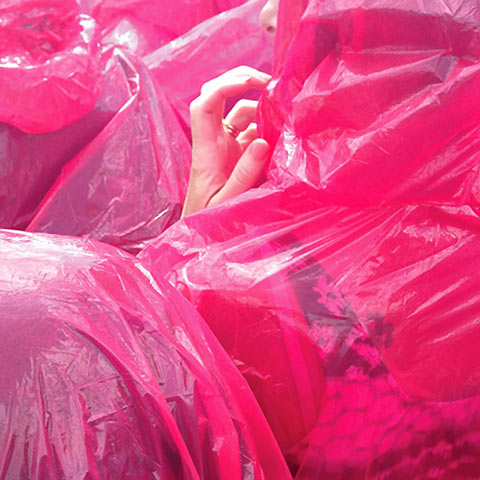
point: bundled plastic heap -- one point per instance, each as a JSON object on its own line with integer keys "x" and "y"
{"x": 346, "y": 288}
{"x": 144, "y": 25}
{"x": 93, "y": 141}
{"x": 106, "y": 374}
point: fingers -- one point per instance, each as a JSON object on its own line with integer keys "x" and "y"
{"x": 223, "y": 166}
{"x": 247, "y": 172}
{"x": 248, "y": 136}
{"x": 233, "y": 82}
{"x": 242, "y": 114}
{"x": 206, "y": 111}
{"x": 242, "y": 117}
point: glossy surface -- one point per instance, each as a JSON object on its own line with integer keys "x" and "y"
{"x": 349, "y": 281}
{"x": 127, "y": 185}
{"x": 221, "y": 43}
{"x": 49, "y": 65}
{"x": 145, "y": 25}
{"x": 107, "y": 374}
{"x": 119, "y": 173}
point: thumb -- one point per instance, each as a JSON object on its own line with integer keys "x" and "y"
{"x": 247, "y": 172}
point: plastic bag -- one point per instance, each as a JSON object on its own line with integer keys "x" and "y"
{"x": 226, "y": 41}
{"x": 392, "y": 94}
{"x": 363, "y": 244}
{"x": 127, "y": 185}
{"x": 119, "y": 174}
{"x": 49, "y": 70}
{"x": 394, "y": 333}
{"x": 144, "y": 25}
{"x": 238, "y": 283}
{"x": 174, "y": 19}
{"x": 105, "y": 373}
{"x": 30, "y": 163}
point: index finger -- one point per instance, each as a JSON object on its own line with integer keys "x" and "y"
{"x": 206, "y": 111}
{"x": 234, "y": 82}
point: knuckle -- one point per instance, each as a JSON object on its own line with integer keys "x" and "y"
{"x": 196, "y": 105}
{"x": 205, "y": 87}
{"x": 241, "y": 69}
{"x": 211, "y": 85}
{"x": 245, "y": 71}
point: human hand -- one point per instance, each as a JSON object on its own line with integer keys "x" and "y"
{"x": 227, "y": 157}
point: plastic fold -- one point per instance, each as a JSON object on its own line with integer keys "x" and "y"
{"x": 357, "y": 261}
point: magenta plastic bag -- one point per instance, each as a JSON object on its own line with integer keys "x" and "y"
{"x": 105, "y": 373}
{"x": 127, "y": 185}
{"x": 31, "y": 163}
{"x": 240, "y": 285}
{"x": 226, "y": 41}
{"x": 144, "y": 25}
{"x": 49, "y": 69}
{"x": 302, "y": 275}
{"x": 119, "y": 174}
{"x": 357, "y": 260}
{"x": 174, "y": 18}
{"x": 416, "y": 78}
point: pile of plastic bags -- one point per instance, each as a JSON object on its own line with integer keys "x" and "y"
{"x": 101, "y": 145}
{"x": 105, "y": 373}
{"x": 345, "y": 288}
{"x": 326, "y": 325}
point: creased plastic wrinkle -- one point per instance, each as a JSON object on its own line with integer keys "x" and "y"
{"x": 145, "y": 25}
{"x": 218, "y": 44}
{"x": 127, "y": 185}
{"x": 345, "y": 288}
{"x": 95, "y": 139}
{"x": 107, "y": 374}
{"x": 49, "y": 71}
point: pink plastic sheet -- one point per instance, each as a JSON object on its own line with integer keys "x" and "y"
{"x": 144, "y": 25}
{"x": 394, "y": 107}
{"x": 105, "y": 373}
{"x": 226, "y": 41}
{"x": 31, "y": 163}
{"x": 223, "y": 261}
{"x": 119, "y": 173}
{"x": 49, "y": 69}
{"x": 362, "y": 248}
{"x": 127, "y": 185}
{"x": 308, "y": 296}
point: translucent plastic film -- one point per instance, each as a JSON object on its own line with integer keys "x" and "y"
{"x": 345, "y": 287}
{"x": 107, "y": 374}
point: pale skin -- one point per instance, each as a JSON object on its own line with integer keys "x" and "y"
{"x": 225, "y": 164}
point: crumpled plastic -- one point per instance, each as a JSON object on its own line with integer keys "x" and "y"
{"x": 128, "y": 183}
{"x": 363, "y": 244}
{"x": 362, "y": 361}
{"x": 36, "y": 161}
{"x": 400, "y": 137}
{"x": 49, "y": 69}
{"x": 119, "y": 173}
{"x": 221, "y": 43}
{"x": 105, "y": 373}
{"x": 144, "y": 25}
{"x": 231, "y": 263}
